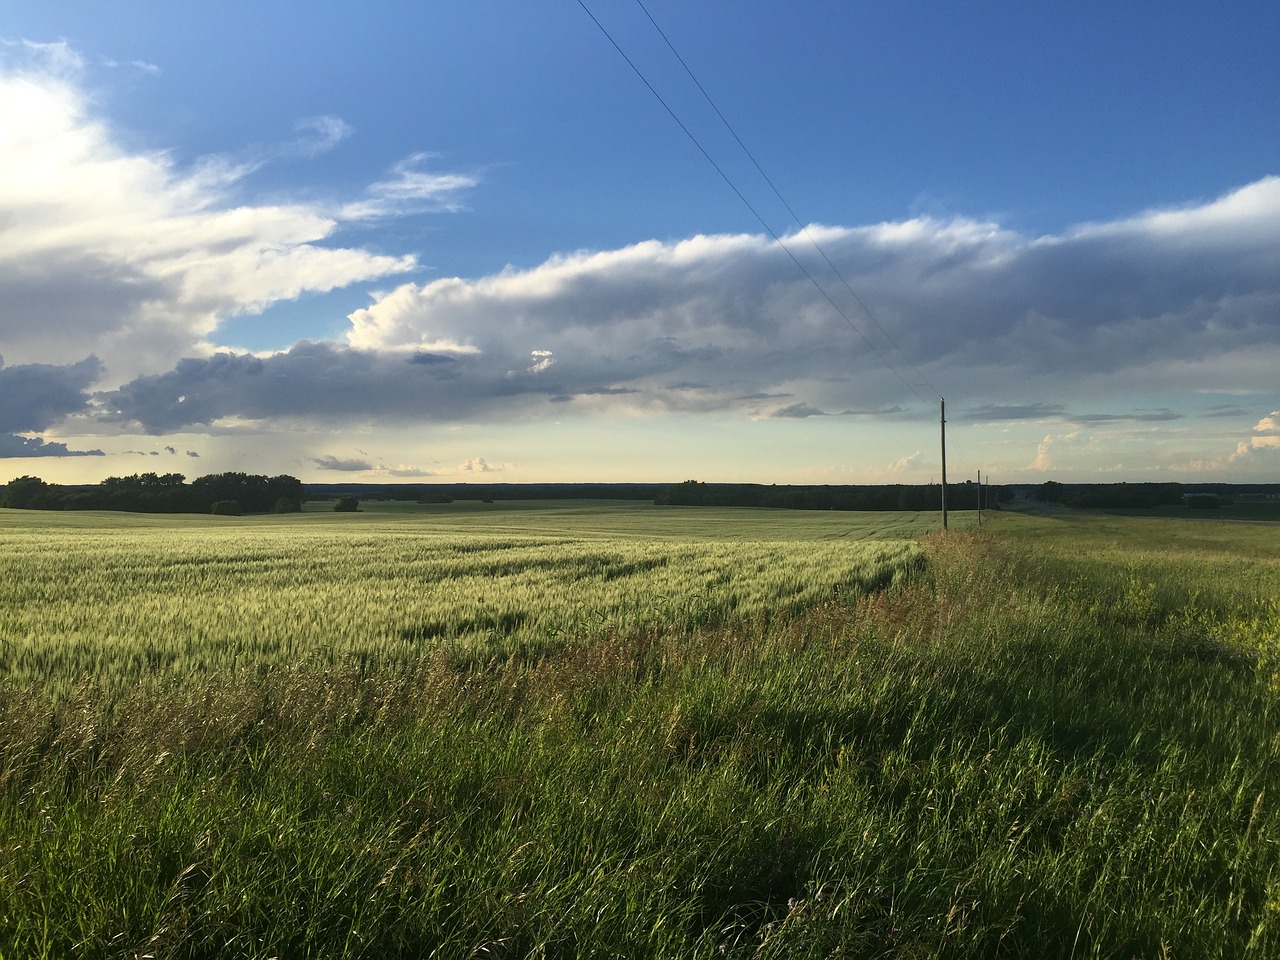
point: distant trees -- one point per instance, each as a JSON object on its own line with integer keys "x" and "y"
{"x": 29, "y": 493}
{"x": 346, "y": 505}
{"x": 255, "y": 494}
{"x": 161, "y": 493}
{"x": 1049, "y": 492}
{"x": 893, "y": 496}
{"x": 1110, "y": 495}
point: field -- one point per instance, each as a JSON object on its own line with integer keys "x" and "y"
{"x": 594, "y": 730}
{"x": 128, "y": 600}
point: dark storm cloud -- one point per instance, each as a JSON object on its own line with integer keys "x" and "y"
{"x": 15, "y": 447}
{"x": 328, "y": 382}
{"x": 34, "y": 396}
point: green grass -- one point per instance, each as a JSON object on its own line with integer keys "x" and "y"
{"x": 113, "y": 601}
{"x": 1055, "y": 740}
{"x": 1246, "y": 511}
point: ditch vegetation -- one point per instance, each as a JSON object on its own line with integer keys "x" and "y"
{"x": 1053, "y": 738}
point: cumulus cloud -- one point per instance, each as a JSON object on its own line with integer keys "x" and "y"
{"x": 1264, "y": 439}
{"x": 138, "y": 256}
{"x": 1044, "y": 455}
{"x": 137, "y": 259}
{"x": 905, "y": 464}
{"x": 714, "y": 323}
{"x": 34, "y": 396}
{"x": 1164, "y": 300}
{"x": 1268, "y": 426}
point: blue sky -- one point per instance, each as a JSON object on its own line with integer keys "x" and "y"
{"x": 439, "y": 240}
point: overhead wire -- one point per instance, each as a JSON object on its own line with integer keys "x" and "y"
{"x": 781, "y": 199}
{"x": 764, "y": 223}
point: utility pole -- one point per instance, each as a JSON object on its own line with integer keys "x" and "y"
{"x": 942, "y": 416}
{"x": 979, "y": 499}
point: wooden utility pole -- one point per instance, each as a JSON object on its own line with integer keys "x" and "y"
{"x": 942, "y": 416}
{"x": 979, "y": 499}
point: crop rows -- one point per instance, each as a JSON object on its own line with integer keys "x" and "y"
{"x": 137, "y": 604}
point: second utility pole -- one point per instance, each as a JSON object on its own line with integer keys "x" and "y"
{"x": 942, "y": 414}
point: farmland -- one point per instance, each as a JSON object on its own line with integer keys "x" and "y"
{"x": 117, "y": 600}
{"x": 596, "y": 730}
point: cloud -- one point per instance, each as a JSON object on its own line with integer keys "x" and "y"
{"x": 1225, "y": 410}
{"x": 57, "y": 58}
{"x": 12, "y": 446}
{"x": 1152, "y": 303}
{"x": 1026, "y": 411}
{"x": 351, "y": 465}
{"x": 135, "y": 256}
{"x": 1044, "y": 459}
{"x": 1149, "y": 416}
{"x": 1269, "y": 425}
{"x": 138, "y": 259}
{"x": 542, "y": 359}
{"x": 905, "y": 464}
{"x": 798, "y": 411}
{"x": 478, "y": 465}
{"x": 710, "y": 323}
{"x": 405, "y": 470}
{"x": 317, "y": 135}
{"x": 411, "y": 190}
{"x": 34, "y": 396}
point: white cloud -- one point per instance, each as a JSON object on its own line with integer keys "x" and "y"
{"x": 1154, "y": 303}
{"x": 720, "y": 323}
{"x": 131, "y": 255}
{"x": 411, "y": 190}
{"x": 905, "y": 464}
{"x": 1269, "y": 425}
{"x": 542, "y": 359}
{"x": 318, "y": 135}
{"x": 133, "y": 260}
{"x": 1044, "y": 459}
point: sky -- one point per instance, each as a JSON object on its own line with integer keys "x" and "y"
{"x": 610, "y": 240}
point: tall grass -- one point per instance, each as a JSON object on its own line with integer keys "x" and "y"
{"x": 996, "y": 757}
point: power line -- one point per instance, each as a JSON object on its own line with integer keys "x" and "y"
{"x": 732, "y": 186}
{"x": 777, "y": 193}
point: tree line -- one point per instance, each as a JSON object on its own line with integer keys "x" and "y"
{"x": 890, "y": 496}
{"x": 1122, "y": 496}
{"x": 226, "y": 493}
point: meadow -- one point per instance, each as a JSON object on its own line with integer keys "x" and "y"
{"x": 710, "y": 734}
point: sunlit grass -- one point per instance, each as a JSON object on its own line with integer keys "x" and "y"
{"x": 1029, "y": 748}
{"x": 120, "y": 604}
